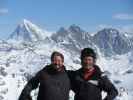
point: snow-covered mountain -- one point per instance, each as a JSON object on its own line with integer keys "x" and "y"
{"x": 18, "y": 63}
{"x": 29, "y": 32}
{"x": 112, "y": 42}
{"x": 74, "y": 38}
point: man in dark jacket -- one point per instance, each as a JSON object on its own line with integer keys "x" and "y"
{"x": 53, "y": 80}
{"x": 88, "y": 82}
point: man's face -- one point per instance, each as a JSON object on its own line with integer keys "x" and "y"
{"x": 57, "y": 61}
{"x": 88, "y": 62}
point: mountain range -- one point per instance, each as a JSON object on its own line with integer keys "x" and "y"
{"x": 28, "y": 49}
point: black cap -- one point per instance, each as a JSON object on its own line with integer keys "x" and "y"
{"x": 88, "y": 52}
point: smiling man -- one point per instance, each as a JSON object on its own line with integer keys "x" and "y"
{"x": 53, "y": 80}
{"x": 88, "y": 82}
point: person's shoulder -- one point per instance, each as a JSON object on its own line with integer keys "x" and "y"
{"x": 71, "y": 73}
{"x": 44, "y": 69}
{"x": 47, "y": 67}
{"x": 98, "y": 69}
{"x": 74, "y": 72}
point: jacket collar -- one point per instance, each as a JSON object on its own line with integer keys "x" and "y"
{"x": 97, "y": 72}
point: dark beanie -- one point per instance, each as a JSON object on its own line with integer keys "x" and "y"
{"x": 88, "y": 52}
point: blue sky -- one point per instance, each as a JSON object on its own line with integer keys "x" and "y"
{"x": 52, "y": 14}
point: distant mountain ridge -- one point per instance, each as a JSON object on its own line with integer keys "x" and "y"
{"x": 109, "y": 40}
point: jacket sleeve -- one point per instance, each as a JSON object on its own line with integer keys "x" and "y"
{"x": 107, "y": 86}
{"x": 32, "y": 84}
{"x": 71, "y": 75}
